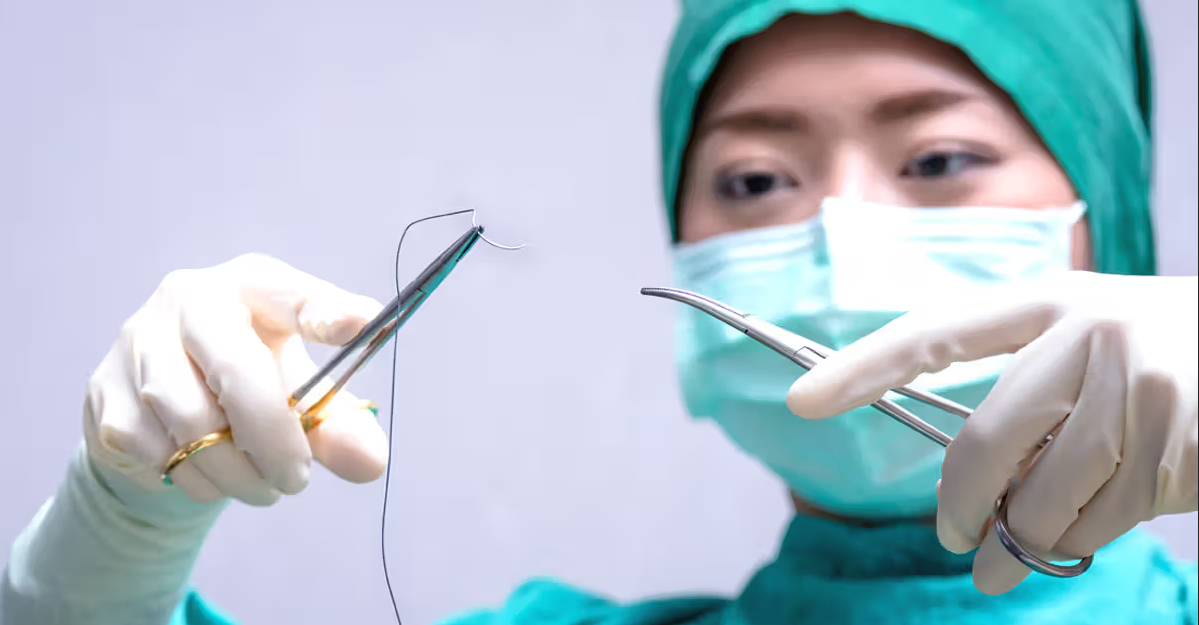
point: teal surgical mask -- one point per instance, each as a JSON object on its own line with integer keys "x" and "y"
{"x": 834, "y": 279}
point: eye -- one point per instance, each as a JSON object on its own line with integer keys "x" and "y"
{"x": 942, "y": 163}
{"x": 751, "y": 185}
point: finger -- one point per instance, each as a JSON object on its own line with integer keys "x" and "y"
{"x": 243, "y": 375}
{"x": 1084, "y": 454}
{"x": 920, "y": 342}
{"x": 1066, "y": 476}
{"x": 1035, "y": 394}
{"x": 287, "y": 301}
{"x": 232, "y": 473}
{"x": 1113, "y": 513}
{"x": 174, "y": 391}
{"x": 350, "y": 441}
{"x": 188, "y": 479}
{"x": 1130, "y": 495}
{"x": 995, "y": 570}
{"x": 119, "y": 432}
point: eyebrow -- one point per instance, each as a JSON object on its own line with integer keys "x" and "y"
{"x": 890, "y": 110}
{"x": 906, "y": 106}
{"x": 772, "y": 120}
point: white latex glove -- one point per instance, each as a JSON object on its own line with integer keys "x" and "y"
{"x": 223, "y": 347}
{"x": 1117, "y": 355}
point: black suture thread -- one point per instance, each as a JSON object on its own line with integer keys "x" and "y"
{"x": 391, "y": 418}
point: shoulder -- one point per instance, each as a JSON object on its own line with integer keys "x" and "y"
{"x": 538, "y": 602}
{"x": 549, "y": 602}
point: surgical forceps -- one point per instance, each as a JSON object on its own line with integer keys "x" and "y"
{"x": 807, "y": 355}
{"x": 366, "y": 344}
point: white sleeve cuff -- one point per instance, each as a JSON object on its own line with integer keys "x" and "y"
{"x": 104, "y": 551}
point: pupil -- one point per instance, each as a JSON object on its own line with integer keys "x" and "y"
{"x": 757, "y": 184}
{"x": 934, "y": 165}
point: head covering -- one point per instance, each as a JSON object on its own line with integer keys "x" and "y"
{"x": 1078, "y": 70}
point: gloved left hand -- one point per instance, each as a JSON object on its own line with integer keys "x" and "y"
{"x": 222, "y": 347}
{"x": 212, "y": 348}
{"x": 1111, "y": 360}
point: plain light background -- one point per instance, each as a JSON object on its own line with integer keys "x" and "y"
{"x": 538, "y": 431}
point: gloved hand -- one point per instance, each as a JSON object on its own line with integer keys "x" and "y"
{"x": 223, "y": 347}
{"x": 1112, "y": 359}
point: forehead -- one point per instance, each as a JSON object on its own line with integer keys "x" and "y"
{"x": 841, "y": 61}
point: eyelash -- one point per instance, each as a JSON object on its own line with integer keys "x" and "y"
{"x": 946, "y": 159}
{"x": 742, "y": 186}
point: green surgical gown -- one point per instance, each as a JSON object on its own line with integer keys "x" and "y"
{"x": 832, "y": 574}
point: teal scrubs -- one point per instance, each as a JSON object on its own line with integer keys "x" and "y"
{"x": 827, "y": 573}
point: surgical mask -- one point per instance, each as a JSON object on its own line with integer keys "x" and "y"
{"x": 834, "y": 279}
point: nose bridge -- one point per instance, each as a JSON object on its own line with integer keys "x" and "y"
{"x": 856, "y": 174}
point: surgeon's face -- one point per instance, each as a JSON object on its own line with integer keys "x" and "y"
{"x": 838, "y": 105}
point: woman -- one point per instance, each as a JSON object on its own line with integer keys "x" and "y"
{"x": 815, "y": 156}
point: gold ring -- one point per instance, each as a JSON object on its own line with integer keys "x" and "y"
{"x": 194, "y": 447}
{"x": 307, "y": 421}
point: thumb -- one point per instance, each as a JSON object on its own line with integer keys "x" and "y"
{"x": 284, "y": 301}
{"x": 923, "y": 341}
{"x": 349, "y": 440}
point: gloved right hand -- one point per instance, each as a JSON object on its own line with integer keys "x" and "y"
{"x": 223, "y": 347}
{"x": 1107, "y": 363}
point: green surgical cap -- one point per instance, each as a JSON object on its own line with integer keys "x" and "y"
{"x": 1078, "y": 69}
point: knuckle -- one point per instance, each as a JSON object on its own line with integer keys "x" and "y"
{"x": 980, "y": 438}
{"x": 1156, "y": 382}
{"x": 93, "y": 402}
{"x": 1154, "y": 397}
{"x": 177, "y": 280}
{"x": 95, "y": 385}
{"x": 179, "y": 290}
{"x": 185, "y": 420}
{"x": 249, "y": 259}
{"x": 1047, "y": 312}
{"x": 1107, "y": 327}
{"x": 936, "y": 354}
{"x": 1045, "y": 297}
{"x": 256, "y": 262}
{"x": 130, "y": 327}
{"x": 972, "y": 462}
{"x": 230, "y": 382}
